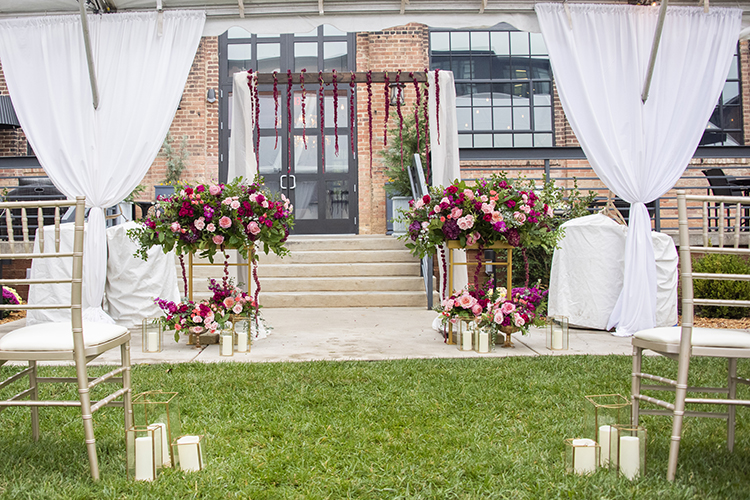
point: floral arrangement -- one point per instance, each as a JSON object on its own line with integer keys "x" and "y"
{"x": 208, "y": 316}
{"x": 209, "y": 217}
{"x": 492, "y": 210}
{"x": 10, "y": 296}
{"x": 515, "y": 313}
{"x": 467, "y": 304}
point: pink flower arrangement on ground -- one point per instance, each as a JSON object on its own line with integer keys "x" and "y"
{"x": 519, "y": 311}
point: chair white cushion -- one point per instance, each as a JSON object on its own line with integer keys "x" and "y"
{"x": 702, "y": 337}
{"x": 58, "y": 336}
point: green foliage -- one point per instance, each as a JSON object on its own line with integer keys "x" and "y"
{"x": 139, "y": 189}
{"x": 176, "y": 159}
{"x": 719, "y": 289}
{"x": 396, "y": 165}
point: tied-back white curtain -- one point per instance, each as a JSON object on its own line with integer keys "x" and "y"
{"x": 639, "y": 150}
{"x": 242, "y": 160}
{"x": 100, "y": 153}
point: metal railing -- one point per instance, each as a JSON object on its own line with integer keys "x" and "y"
{"x": 418, "y": 190}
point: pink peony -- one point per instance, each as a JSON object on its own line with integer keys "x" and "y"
{"x": 520, "y": 217}
{"x": 466, "y": 222}
{"x": 507, "y": 307}
{"x": 499, "y": 318}
{"x": 253, "y": 227}
{"x": 225, "y": 222}
{"x": 218, "y": 239}
{"x": 418, "y": 204}
{"x": 229, "y": 302}
{"x": 214, "y": 190}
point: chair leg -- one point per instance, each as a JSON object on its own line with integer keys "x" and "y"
{"x": 88, "y": 422}
{"x": 126, "y": 384}
{"x": 34, "y": 397}
{"x": 635, "y": 388}
{"x": 731, "y": 411}
{"x": 678, "y": 415}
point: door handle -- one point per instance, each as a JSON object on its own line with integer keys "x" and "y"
{"x": 294, "y": 182}
{"x": 281, "y": 182}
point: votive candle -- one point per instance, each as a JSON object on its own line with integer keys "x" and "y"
{"x": 190, "y": 452}
{"x": 605, "y": 433}
{"x": 144, "y": 459}
{"x": 630, "y": 463}
{"x": 584, "y": 456}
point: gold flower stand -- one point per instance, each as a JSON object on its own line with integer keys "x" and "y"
{"x": 454, "y": 245}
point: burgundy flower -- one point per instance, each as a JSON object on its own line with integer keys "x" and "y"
{"x": 510, "y": 203}
{"x": 451, "y": 229}
{"x": 200, "y": 188}
{"x": 452, "y": 190}
{"x": 513, "y": 237}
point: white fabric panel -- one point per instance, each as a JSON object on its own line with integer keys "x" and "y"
{"x": 132, "y": 283}
{"x": 639, "y": 150}
{"x": 58, "y": 336}
{"x": 242, "y": 161}
{"x": 587, "y": 273}
{"x": 702, "y": 337}
{"x": 100, "y": 153}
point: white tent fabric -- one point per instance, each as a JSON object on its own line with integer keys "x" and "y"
{"x": 587, "y": 273}
{"x": 242, "y": 161}
{"x": 639, "y": 150}
{"x": 100, "y": 153}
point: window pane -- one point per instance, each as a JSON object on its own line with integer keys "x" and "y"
{"x": 482, "y": 119}
{"x": 732, "y": 117}
{"x": 332, "y": 30}
{"x": 543, "y": 140}
{"x": 334, "y": 56}
{"x": 343, "y": 112}
{"x": 270, "y": 158}
{"x": 306, "y": 200}
{"x": 537, "y": 44}
{"x": 267, "y": 111}
{"x": 542, "y": 118}
{"x": 463, "y": 94}
{"x": 463, "y": 118}
{"x": 501, "y": 68}
{"x": 731, "y": 93}
{"x": 521, "y": 118}
{"x": 733, "y": 75}
{"x": 502, "y": 119}
{"x": 440, "y": 42}
{"x": 442, "y": 63}
{"x": 519, "y": 43}
{"x": 459, "y": 41}
{"x": 306, "y": 160}
{"x": 266, "y": 36}
{"x": 337, "y": 200}
{"x": 521, "y": 68}
{"x": 305, "y": 56}
{"x": 311, "y": 111}
{"x": 500, "y": 43}
{"x": 464, "y": 141}
{"x": 503, "y": 140}
{"x": 542, "y": 93}
{"x": 482, "y": 94}
{"x": 522, "y": 140}
{"x": 734, "y": 139}
{"x": 481, "y": 67}
{"x": 340, "y": 163}
{"x": 237, "y": 32}
{"x": 461, "y": 66}
{"x": 480, "y": 41}
{"x": 483, "y": 140}
{"x": 269, "y": 57}
{"x": 520, "y": 94}
{"x": 239, "y": 57}
{"x": 540, "y": 68}
{"x": 501, "y": 93}
{"x": 312, "y": 32}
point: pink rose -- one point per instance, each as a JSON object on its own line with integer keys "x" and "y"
{"x": 466, "y": 301}
{"x": 237, "y": 308}
{"x": 484, "y": 198}
{"x": 507, "y": 307}
{"x": 210, "y": 227}
{"x": 225, "y": 222}
{"x": 197, "y": 329}
{"x": 466, "y": 222}
{"x": 229, "y": 302}
{"x": 218, "y": 239}
{"x": 200, "y": 223}
{"x": 197, "y": 319}
{"x": 469, "y": 194}
{"x": 486, "y": 208}
{"x": 476, "y": 309}
{"x": 520, "y": 217}
{"x": 456, "y": 213}
{"x": 473, "y": 238}
{"x": 496, "y": 217}
{"x": 175, "y": 227}
{"x": 499, "y": 318}
{"x": 253, "y": 227}
{"x": 213, "y": 190}
{"x": 448, "y": 304}
{"x": 518, "y": 320}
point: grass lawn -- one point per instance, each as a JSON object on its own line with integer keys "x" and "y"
{"x": 463, "y": 428}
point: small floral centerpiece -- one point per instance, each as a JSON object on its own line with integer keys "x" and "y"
{"x": 207, "y": 218}
{"x": 208, "y": 316}
{"x": 515, "y": 313}
{"x": 467, "y": 304}
{"x": 493, "y": 210}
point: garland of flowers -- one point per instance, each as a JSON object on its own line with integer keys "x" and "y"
{"x": 257, "y": 289}
{"x": 417, "y": 105}
{"x": 184, "y": 274}
{"x": 480, "y": 260}
{"x": 399, "y": 91}
{"x": 252, "y": 84}
{"x": 276, "y": 108}
{"x": 322, "y": 97}
{"x": 335, "y": 114}
{"x": 369, "y": 113}
{"x": 437, "y": 104}
{"x": 426, "y": 114}
{"x": 443, "y": 295}
{"x": 304, "y": 98}
{"x": 289, "y": 84}
{"x": 352, "y": 117}
{"x": 386, "y": 88}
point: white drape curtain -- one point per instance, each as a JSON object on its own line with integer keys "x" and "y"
{"x": 100, "y": 153}
{"x": 638, "y": 150}
{"x": 242, "y": 161}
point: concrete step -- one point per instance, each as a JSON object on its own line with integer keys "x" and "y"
{"x": 339, "y": 270}
{"x": 354, "y": 284}
{"x": 338, "y": 256}
{"x": 345, "y": 299}
{"x": 348, "y": 242}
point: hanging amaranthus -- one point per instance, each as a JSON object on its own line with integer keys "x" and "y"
{"x": 322, "y": 99}
{"x": 257, "y": 289}
{"x": 445, "y": 272}
{"x": 335, "y": 114}
{"x": 304, "y": 99}
{"x": 418, "y": 94}
{"x": 399, "y": 94}
{"x": 352, "y": 117}
{"x": 437, "y": 104}
{"x": 252, "y": 84}
{"x": 426, "y": 115}
{"x": 276, "y": 108}
{"x": 369, "y": 113}
{"x": 387, "y": 88}
{"x": 184, "y": 275}
{"x": 289, "y": 84}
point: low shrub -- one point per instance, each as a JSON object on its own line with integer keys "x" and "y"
{"x": 723, "y": 290}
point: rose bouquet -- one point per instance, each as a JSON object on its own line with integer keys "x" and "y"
{"x": 467, "y": 304}
{"x": 515, "y": 313}
{"x": 209, "y": 217}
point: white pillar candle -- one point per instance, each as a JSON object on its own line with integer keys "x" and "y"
{"x": 584, "y": 456}
{"x": 226, "y": 345}
{"x": 161, "y": 444}
{"x": 557, "y": 339}
{"x": 144, "y": 459}
{"x": 152, "y": 341}
{"x": 484, "y": 341}
{"x": 467, "y": 338}
{"x": 190, "y": 453}
{"x": 605, "y": 432}
{"x": 242, "y": 341}
{"x": 630, "y": 460}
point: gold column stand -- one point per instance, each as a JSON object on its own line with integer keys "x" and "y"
{"x": 507, "y": 263}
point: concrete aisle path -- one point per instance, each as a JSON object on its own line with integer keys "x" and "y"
{"x": 377, "y": 333}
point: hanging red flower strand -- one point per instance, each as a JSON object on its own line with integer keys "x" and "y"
{"x": 276, "y": 108}
{"x": 352, "y": 117}
{"x": 289, "y": 84}
{"x": 304, "y": 101}
{"x": 369, "y": 113}
{"x": 399, "y": 90}
{"x": 335, "y": 114}
{"x": 252, "y": 85}
{"x": 416, "y": 106}
{"x": 321, "y": 97}
{"x": 437, "y": 104}
{"x": 426, "y": 116}
{"x": 387, "y": 88}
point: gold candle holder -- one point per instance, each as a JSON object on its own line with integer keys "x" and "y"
{"x": 602, "y": 413}
{"x": 189, "y": 453}
{"x": 465, "y": 331}
{"x": 243, "y": 332}
{"x": 226, "y": 340}
{"x": 581, "y": 455}
{"x": 158, "y": 411}
{"x": 141, "y": 452}
{"x": 627, "y": 453}
{"x": 557, "y": 333}
{"x": 152, "y": 333}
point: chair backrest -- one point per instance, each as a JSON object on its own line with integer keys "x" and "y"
{"x": 48, "y": 242}
{"x": 733, "y": 240}
{"x": 719, "y": 182}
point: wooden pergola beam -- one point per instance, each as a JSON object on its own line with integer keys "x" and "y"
{"x": 341, "y": 78}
